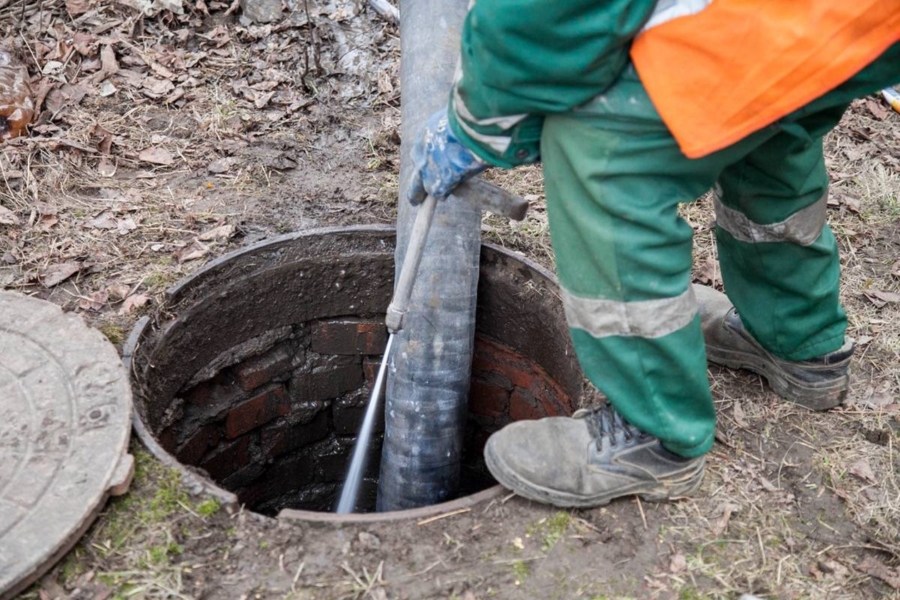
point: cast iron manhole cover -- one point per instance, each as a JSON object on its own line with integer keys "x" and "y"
{"x": 65, "y": 418}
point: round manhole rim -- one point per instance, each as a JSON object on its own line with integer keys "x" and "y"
{"x": 203, "y": 485}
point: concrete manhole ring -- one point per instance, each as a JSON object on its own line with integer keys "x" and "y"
{"x": 65, "y": 417}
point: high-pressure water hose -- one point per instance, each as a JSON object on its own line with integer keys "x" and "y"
{"x": 428, "y": 378}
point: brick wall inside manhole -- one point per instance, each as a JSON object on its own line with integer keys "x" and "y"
{"x": 257, "y": 369}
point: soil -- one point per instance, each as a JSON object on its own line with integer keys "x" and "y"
{"x": 165, "y": 140}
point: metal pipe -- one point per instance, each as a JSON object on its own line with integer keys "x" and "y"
{"x": 428, "y": 377}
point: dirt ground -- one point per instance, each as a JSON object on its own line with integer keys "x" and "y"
{"x": 165, "y": 140}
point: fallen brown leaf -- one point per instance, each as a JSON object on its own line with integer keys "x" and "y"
{"x": 56, "y": 274}
{"x": 862, "y": 470}
{"x": 126, "y": 226}
{"x": 222, "y": 232}
{"x": 722, "y": 524}
{"x": 77, "y": 7}
{"x": 222, "y": 165}
{"x": 710, "y": 274}
{"x": 47, "y": 222}
{"x": 8, "y": 217}
{"x": 118, "y": 291}
{"x": 192, "y": 251}
{"x": 110, "y": 66}
{"x": 95, "y": 301}
{"x": 851, "y": 203}
{"x": 677, "y": 564}
{"x": 104, "y": 220}
{"x": 874, "y": 567}
{"x": 133, "y": 302}
{"x": 156, "y": 156}
{"x": 834, "y": 568}
{"x": 157, "y": 88}
{"x": 880, "y": 299}
{"x": 878, "y": 111}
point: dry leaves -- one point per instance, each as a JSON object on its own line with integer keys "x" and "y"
{"x": 863, "y": 470}
{"x": 881, "y": 299}
{"x": 95, "y": 301}
{"x": 677, "y": 564}
{"x": 877, "y": 109}
{"x": 222, "y": 232}
{"x": 192, "y": 251}
{"x": 8, "y": 217}
{"x": 77, "y": 7}
{"x": 874, "y": 567}
{"x": 56, "y": 274}
{"x": 133, "y": 302}
{"x": 156, "y": 156}
{"x": 710, "y": 274}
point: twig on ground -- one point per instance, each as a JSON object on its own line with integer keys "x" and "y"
{"x": 386, "y": 10}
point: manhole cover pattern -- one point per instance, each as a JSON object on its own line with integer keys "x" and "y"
{"x": 65, "y": 413}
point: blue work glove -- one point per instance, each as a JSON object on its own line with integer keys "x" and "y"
{"x": 440, "y": 160}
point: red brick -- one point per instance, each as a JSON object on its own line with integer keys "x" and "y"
{"x": 488, "y": 400}
{"x": 260, "y": 370}
{"x": 326, "y": 383}
{"x": 197, "y": 444}
{"x": 370, "y": 370}
{"x": 553, "y": 399}
{"x": 523, "y": 406}
{"x": 285, "y": 437}
{"x": 491, "y": 357}
{"x": 349, "y": 336}
{"x": 256, "y": 411}
{"x": 227, "y": 458}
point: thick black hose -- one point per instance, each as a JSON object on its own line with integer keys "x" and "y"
{"x": 428, "y": 378}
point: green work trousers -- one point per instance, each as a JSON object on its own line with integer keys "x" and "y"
{"x": 614, "y": 177}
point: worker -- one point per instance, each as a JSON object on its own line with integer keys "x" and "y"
{"x": 633, "y": 107}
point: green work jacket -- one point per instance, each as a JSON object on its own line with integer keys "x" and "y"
{"x": 523, "y": 59}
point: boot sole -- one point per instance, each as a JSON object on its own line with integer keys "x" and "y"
{"x": 650, "y": 492}
{"x": 813, "y": 396}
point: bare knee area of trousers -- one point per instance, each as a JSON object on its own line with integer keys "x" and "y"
{"x": 255, "y": 374}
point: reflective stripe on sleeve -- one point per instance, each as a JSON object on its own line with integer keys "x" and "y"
{"x": 802, "y": 228}
{"x": 647, "y": 318}
{"x": 497, "y": 143}
{"x": 666, "y": 10}
{"x": 462, "y": 111}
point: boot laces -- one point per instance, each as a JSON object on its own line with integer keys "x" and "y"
{"x": 605, "y": 423}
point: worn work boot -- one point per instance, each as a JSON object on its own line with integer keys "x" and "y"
{"x": 817, "y": 384}
{"x": 587, "y": 460}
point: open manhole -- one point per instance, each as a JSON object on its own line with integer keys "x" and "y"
{"x": 254, "y": 375}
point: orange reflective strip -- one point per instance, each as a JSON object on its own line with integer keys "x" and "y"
{"x": 739, "y": 65}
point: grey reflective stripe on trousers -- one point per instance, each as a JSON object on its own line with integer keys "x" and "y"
{"x": 802, "y": 228}
{"x": 647, "y": 318}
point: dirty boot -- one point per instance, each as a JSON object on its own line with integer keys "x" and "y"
{"x": 587, "y": 460}
{"x": 817, "y": 384}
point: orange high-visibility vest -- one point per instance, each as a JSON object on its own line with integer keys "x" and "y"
{"x": 735, "y": 66}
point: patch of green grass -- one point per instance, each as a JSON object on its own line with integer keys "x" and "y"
{"x": 556, "y": 528}
{"x": 113, "y": 332}
{"x": 160, "y": 280}
{"x": 690, "y": 593}
{"x": 208, "y": 508}
{"x": 520, "y": 570}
